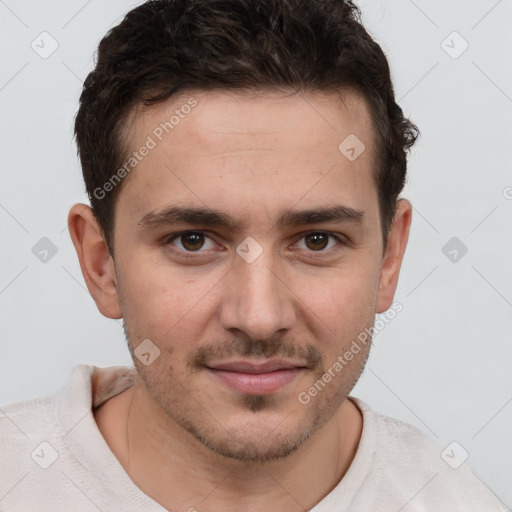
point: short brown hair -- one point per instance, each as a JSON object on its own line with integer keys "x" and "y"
{"x": 163, "y": 47}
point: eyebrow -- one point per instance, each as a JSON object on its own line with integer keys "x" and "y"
{"x": 216, "y": 218}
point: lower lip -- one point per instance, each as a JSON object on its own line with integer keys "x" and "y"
{"x": 256, "y": 383}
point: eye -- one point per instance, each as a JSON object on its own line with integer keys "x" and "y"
{"x": 318, "y": 241}
{"x": 190, "y": 241}
{"x": 186, "y": 243}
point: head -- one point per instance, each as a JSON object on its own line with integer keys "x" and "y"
{"x": 244, "y": 161}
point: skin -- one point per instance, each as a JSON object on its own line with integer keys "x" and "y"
{"x": 183, "y": 436}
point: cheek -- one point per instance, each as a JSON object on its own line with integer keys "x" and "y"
{"x": 345, "y": 293}
{"x": 166, "y": 303}
{"x": 338, "y": 307}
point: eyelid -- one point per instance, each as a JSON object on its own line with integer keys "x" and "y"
{"x": 187, "y": 254}
{"x": 342, "y": 240}
{"x": 339, "y": 238}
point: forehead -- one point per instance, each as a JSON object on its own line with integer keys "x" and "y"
{"x": 242, "y": 148}
{"x": 250, "y": 117}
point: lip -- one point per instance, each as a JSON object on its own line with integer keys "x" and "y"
{"x": 246, "y": 366}
{"x": 256, "y": 378}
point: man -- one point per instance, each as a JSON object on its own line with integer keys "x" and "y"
{"x": 244, "y": 160}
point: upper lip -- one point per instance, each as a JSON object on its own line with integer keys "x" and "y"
{"x": 253, "y": 367}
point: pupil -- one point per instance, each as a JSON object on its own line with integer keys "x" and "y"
{"x": 196, "y": 241}
{"x": 316, "y": 238}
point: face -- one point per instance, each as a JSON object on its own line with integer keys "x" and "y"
{"x": 223, "y": 264}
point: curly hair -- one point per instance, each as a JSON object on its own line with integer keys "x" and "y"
{"x": 163, "y": 47}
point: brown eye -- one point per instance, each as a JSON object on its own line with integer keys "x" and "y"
{"x": 317, "y": 241}
{"x": 321, "y": 242}
{"x": 192, "y": 241}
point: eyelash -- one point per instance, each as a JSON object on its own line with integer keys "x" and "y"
{"x": 197, "y": 254}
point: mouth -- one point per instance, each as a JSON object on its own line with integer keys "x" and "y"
{"x": 252, "y": 378}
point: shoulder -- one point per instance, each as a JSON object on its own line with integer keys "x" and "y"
{"x": 29, "y": 445}
{"x": 32, "y": 429}
{"x": 409, "y": 465}
{"x": 28, "y": 419}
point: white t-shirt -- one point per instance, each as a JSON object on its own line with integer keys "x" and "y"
{"x": 53, "y": 458}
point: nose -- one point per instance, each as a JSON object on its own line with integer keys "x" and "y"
{"x": 258, "y": 300}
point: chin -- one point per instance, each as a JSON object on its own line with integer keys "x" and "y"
{"x": 257, "y": 451}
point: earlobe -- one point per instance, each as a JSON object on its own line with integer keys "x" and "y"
{"x": 95, "y": 261}
{"x": 393, "y": 257}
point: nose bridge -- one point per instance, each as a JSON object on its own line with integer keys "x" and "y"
{"x": 258, "y": 302}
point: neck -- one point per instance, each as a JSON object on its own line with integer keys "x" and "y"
{"x": 176, "y": 470}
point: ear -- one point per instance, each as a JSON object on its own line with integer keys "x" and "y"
{"x": 395, "y": 249}
{"x": 95, "y": 261}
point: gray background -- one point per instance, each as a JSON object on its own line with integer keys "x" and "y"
{"x": 443, "y": 364}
